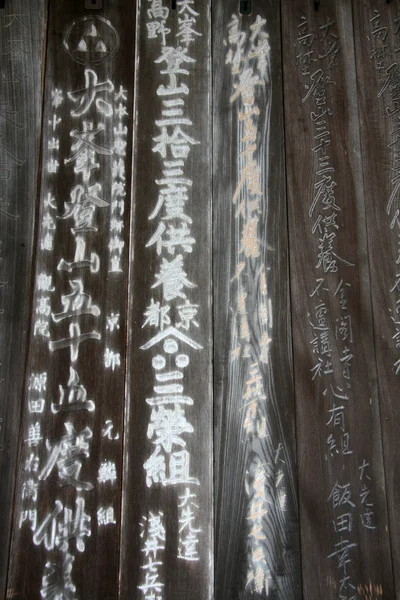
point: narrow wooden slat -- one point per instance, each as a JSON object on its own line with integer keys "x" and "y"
{"x": 377, "y": 31}
{"x": 345, "y": 541}
{"x": 22, "y": 29}
{"x": 167, "y": 493}
{"x": 257, "y": 528}
{"x": 66, "y": 522}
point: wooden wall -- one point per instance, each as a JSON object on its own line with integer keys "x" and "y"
{"x": 199, "y": 299}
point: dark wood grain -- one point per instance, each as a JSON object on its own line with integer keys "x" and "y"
{"x": 344, "y": 532}
{"x": 376, "y": 29}
{"x": 257, "y": 527}
{"x": 67, "y": 507}
{"x": 22, "y": 29}
{"x": 169, "y": 384}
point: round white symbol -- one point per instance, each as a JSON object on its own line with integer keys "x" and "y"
{"x": 91, "y": 40}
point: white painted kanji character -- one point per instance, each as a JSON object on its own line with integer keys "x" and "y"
{"x": 48, "y": 222}
{"x": 113, "y": 321}
{"x": 118, "y": 205}
{"x": 82, "y": 207}
{"x": 66, "y": 454}
{"x": 116, "y": 264}
{"x": 53, "y": 144}
{"x": 116, "y": 225}
{"x": 85, "y": 97}
{"x": 57, "y": 581}
{"x": 81, "y": 261}
{"x": 157, "y": 28}
{"x": 52, "y": 165}
{"x": 121, "y": 94}
{"x": 74, "y": 526}
{"x": 28, "y": 515}
{"x": 86, "y": 142}
{"x": 174, "y": 58}
{"x": 30, "y": 490}
{"x": 121, "y": 130}
{"x": 179, "y": 142}
{"x": 157, "y": 315}
{"x": 85, "y": 163}
{"x": 32, "y": 463}
{"x": 155, "y": 468}
{"x": 76, "y": 303}
{"x": 55, "y": 121}
{"x": 41, "y": 328}
{"x": 107, "y": 472}
{"x": 186, "y": 30}
{"x": 112, "y": 359}
{"x": 121, "y": 111}
{"x": 105, "y": 516}
{"x": 38, "y": 382}
{"x": 46, "y": 243}
{"x": 43, "y": 283}
{"x": 187, "y": 313}
{"x": 167, "y": 426}
{"x": 119, "y": 147}
{"x": 75, "y": 394}
{"x": 118, "y": 189}
{"x": 157, "y": 10}
{"x": 152, "y": 583}
{"x": 185, "y": 6}
{"x": 43, "y": 306}
{"x": 49, "y": 201}
{"x": 179, "y": 467}
{"x": 107, "y": 431}
{"x": 173, "y": 278}
{"x": 57, "y": 97}
{"x": 178, "y": 236}
{"x": 118, "y": 169}
{"x": 116, "y": 243}
{"x": 36, "y": 406}
{"x": 34, "y": 435}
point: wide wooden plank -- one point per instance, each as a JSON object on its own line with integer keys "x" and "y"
{"x": 67, "y": 512}
{"x": 22, "y": 29}
{"x": 166, "y": 544}
{"x": 257, "y": 527}
{"x": 377, "y": 31}
{"x": 344, "y": 532}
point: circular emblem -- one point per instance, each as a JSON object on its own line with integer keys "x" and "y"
{"x": 91, "y": 40}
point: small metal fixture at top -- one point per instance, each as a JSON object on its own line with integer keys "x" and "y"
{"x": 316, "y": 4}
{"x": 173, "y": 4}
{"x": 246, "y": 7}
{"x": 2, "y": 3}
{"x": 94, "y": 4}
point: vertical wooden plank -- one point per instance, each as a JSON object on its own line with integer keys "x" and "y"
{"x": 22, "y": 28}
{"x": 166, "y": 545}
{"x": 66, "y": 526}
{"x": 257, "y": 528}
{"x": 377, "y": 31}
{"x": 345, "y": 542}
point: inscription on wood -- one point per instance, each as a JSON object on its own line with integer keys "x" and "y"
{"x": 65, "y": 541}
{"x": 166, "y": 549}
{"x": 22, "y": 28}
{"x": 377, "y": 30}
{"x": 257, "y": 542}
{"x": 345, "y": 541}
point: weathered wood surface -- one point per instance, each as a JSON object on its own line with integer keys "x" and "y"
{"x": 344, "y": 531}
{"x": 167, "y": 496}
{"x": 22, "y": 29}
{"x": 377, "y": 31}
{"x": 256, "y": 524}
{"x": 67, "y": 504}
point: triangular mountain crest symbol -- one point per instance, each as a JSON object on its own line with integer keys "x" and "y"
{"x": 91, "y": 41}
